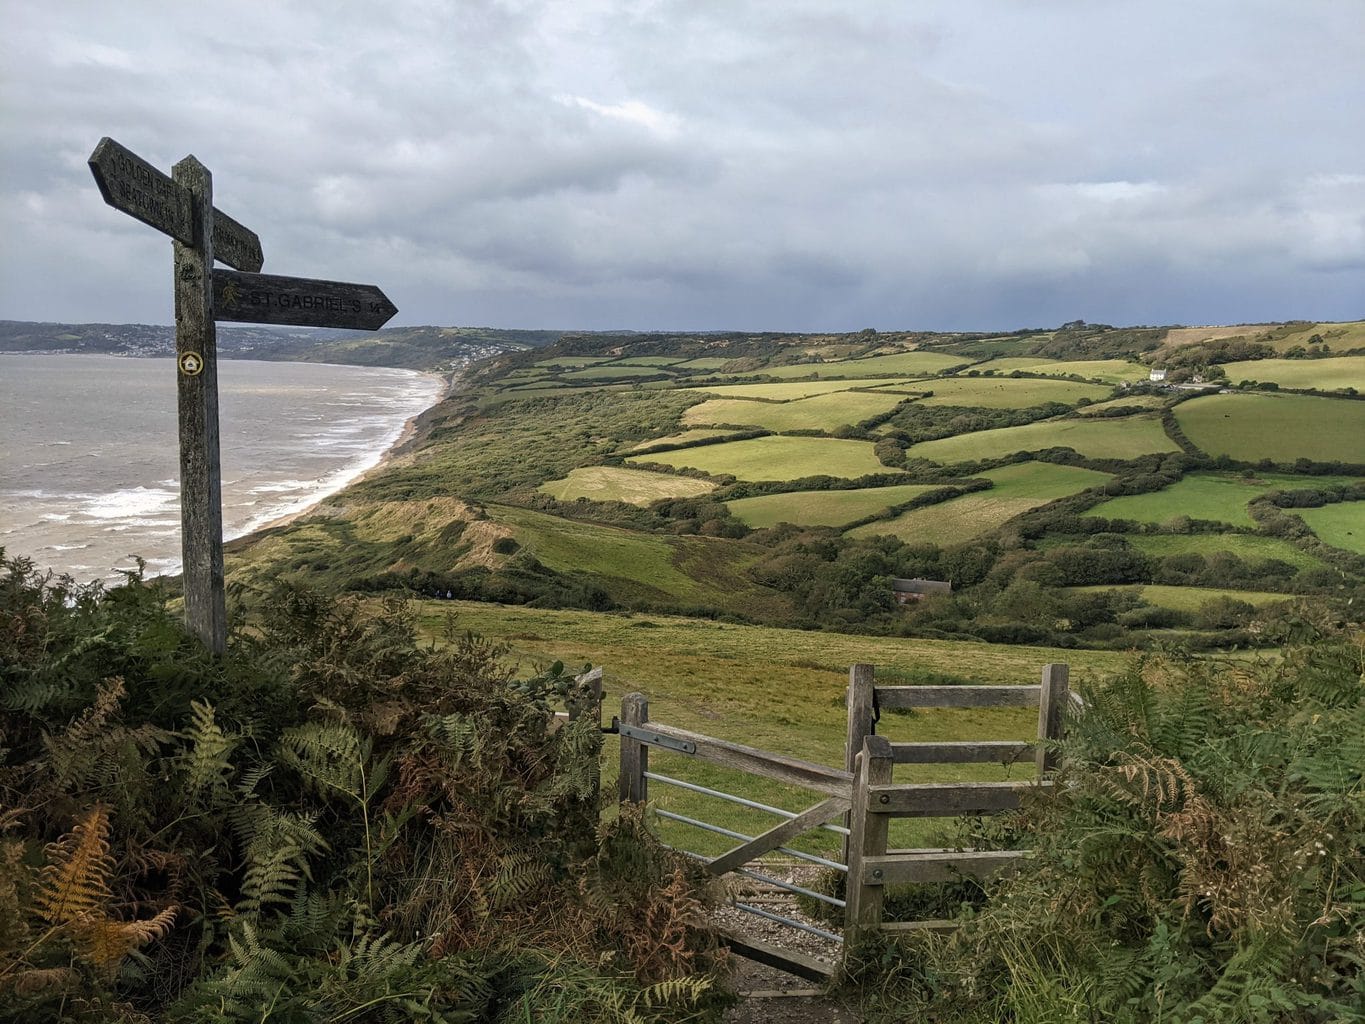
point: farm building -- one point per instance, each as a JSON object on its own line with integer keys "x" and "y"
{"x": 918, "y": 590}
{"x": 1157, "y": 375}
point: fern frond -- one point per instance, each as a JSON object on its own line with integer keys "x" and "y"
{"x": 75, "y": 882}
{"x": 207, "y": 763}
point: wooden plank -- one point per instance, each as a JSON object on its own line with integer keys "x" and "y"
{"x": 834, "y": 781}
{"x": 905, "y": 868}
{"x": 956, "y": 696}
{"x": 869, "y": 830}
{"x": 946, "y": 799}
{"x": 201, "y": 497}
{"x": 798, "y": 964}
{"x": 299, "y": 301}
{"x": 1052, "y": 703}
{"x": 632, "y": 785}
{"x": 860, "y": 702}
{"x": 779, "y": 834}
{"x": 962, "y": 752}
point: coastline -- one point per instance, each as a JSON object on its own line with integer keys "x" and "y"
{"x": 411, "y": 431}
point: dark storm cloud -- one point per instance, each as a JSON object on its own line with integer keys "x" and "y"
{"x": 711, "y": 164}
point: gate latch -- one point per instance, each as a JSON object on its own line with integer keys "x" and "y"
{"x": 655, "y": 739}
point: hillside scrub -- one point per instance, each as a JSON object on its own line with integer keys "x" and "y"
{"x": 1201, "y": 859}
{"x": 328, "y": 823}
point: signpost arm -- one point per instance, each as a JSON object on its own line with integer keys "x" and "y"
{"x": 201, "y": 499}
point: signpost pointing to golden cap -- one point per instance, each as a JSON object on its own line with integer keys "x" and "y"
{"x": 181, "y": 206}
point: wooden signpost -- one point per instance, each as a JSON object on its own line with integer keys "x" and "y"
{"x": 181, "y": 205}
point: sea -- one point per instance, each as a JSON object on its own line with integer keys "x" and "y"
{"x": 89, "y": 457}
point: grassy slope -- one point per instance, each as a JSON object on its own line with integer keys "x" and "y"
{"x": 1017, "y": 489}
{"x": 821, "y": 412}
{"x": 1007, "y": 392}
{"x": 1277, "y": 427}
{"x": 776, "y": 458}
{"x": 1331, "y": 374}
{"x": 1125, "y": 438}
{"x": 1341, "y": 525}
{"x": 1141, "y": 401}
{"x": 1220, "y": 497}
{"x": 1111, "y": 371}
{"x": 775, "y": 689}
{"x": 900, "y": 362}
{"x": 790, "y": 390}
{"x": 1245, "y": 546}
{"x": 614, "y": 483}
{"x": 684, "y": 438}
{"x": 1189, "y": 599}
{"x": 821, "y": 508}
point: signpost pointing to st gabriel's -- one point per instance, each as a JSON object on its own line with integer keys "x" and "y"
{"x": 181, "y": 206}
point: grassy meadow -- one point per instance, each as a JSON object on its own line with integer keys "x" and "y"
{"x": 822, "y": 508}
{"x": 819, "y": 412}
{"x": 1282, "y": 428}
{"x": 1125, "y": 438}
{"x": 1017, "y": 489}
{"x": 686, "y": 437}
{"x": 775, "y": 458}
{"x": 615, "y": 483}
{"x": 1189, "y": 599}
{"x": 1217, "y": 497}
{"x": 924, "y": 363}
{"x": 789, "y": 390}
{"x": 1331, "y": 374}
{"x": 1109, "y": 371}
{"x": 1341, "y": 525}
{"x": 1006, "y": 392}
{"x": 1248, "y": 547}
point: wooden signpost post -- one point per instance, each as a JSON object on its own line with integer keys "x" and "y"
{"x": 181, "y": 205}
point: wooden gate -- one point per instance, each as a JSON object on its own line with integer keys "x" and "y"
{"x": 863, "y": 793}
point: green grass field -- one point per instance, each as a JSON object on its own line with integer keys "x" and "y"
{"x": 1125, "y": 438}
{"x": 775, "y": 689}
{"x": 1333, "y": 374}
{"x": 776, "y": 458}
{"x": 1111, "y": 371}
{"x": 788, "y": 391}
{"x": 1005, "y": 393}
{"x": 704, "y": 363}
{"x": 1245, "y": 546}
{"x": 614, "y": 483}
{"x": 613, "y": 370}
{"x": 1017, "y": 489}
{"x": 1341, "y": 525}
{"x": 820, "y": 412}
{"x": 648, "y": 361}
{"x": 1251, "y": 427}
{"x": 1339, "y": 336}
{"x": 822, "y": 508}
{"x": 908, "y": 363}
{"x": 561, "y": 361}
{"x": 642, "y": 567}
{"x": 1218, "y": 497}
{"x": 1189, "y": 599}
{"x": 686, "y": 437}
{"x": 1141, "y": 401}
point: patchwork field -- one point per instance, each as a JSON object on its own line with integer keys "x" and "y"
{"x": 788, "y": 391}
{"x": 822, "y": 508}
{"x": 1333, "y": 374}
{"x": 1188, "y": 599}
{"x": 614, "y": 483}
{"x": 1194, "y": 335}
{"x": 820, "y": 412}
{"x": 686, "y": 437}
{"x": 1006, "y": 392}
{"x": 776, "y": 458}
{"x": 1016, "y": 490}
{"x": 665, "y": 570}
{"x": 1218, "y": 497}
{"x": 900, "y": 362}
{"x": 560, "y": 361}
{"x": 1141, "y": 401}
{"x": 612, "y": 371}
{"x": 1278, "y": 427}
{"x": 1340, "y": 336}
{"x": 1247, "y": 547}
{"x": 1125, "y": 438}
{"x": 1112, "y": 371}
{"x": 648, "y": 361}
{"x": 1341, "y": 525}
{"x": 704, "y": 363}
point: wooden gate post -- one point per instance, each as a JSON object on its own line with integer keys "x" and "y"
{"x": 860, "y": 701}
{"x": 1053, "y": 696}
{"x": 632, "y": 785}
{"x": 867, "y": 838}
{"x": 201, "y": 497}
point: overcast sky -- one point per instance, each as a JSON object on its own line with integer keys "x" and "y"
{"x": 709, "y": 164}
